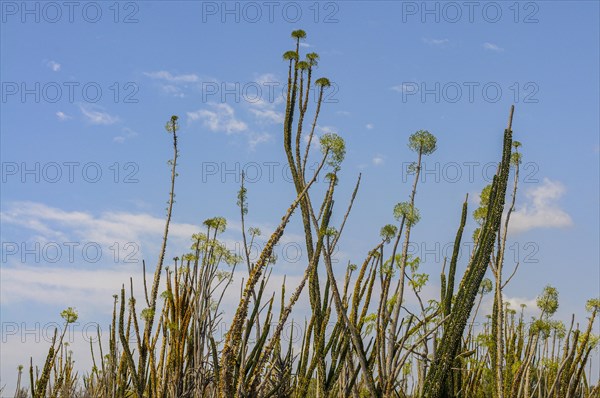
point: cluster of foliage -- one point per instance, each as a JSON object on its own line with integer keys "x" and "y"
{"x": 377, "y": 347}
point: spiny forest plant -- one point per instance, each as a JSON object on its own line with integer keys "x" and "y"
{"x": 361, "y": 339}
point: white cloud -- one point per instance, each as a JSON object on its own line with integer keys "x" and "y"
{"x": 126, "y": 134}
{"x": 263, "y": 104}
{"x": 107, "y": 228}
{"x": 475, "y": 198}
{"x": 541, "y": 209}
{"x": 258, "y": 138}
{"x": 221, "y": 119}
{"x": 305, "y": 45}
{"x": 173, "y": 90}
{"x": 55, "y": 66}
{"x": 173, "y": 84}
{"x": 271, "y": 91}
{"x": 97, "y": 116}
{"x": 343, "y": 113}
{"x": 370, "y": 126}
{"x": 262, "y": 98}
{"x": 378, "y": 160}
{"x": 165, "y": 75}
{"x": 435, "y": 42}
{"x": 408, "y": 87}
{"x": 315, "y": 144}
{"x": 114, "y": 238}
{"x": 492, "y": 47}
{"x": 326, "y": 129}
{"x": 516, "y": 302}
{"x": 62, "y": 116}
{"x": 268, "y": 115}
{"x": 88, "y": 288}
{"x": 269, "y": 78}
{"x": 319, "y": 132}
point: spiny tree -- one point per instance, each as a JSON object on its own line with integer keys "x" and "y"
{"x": 435, "y": 384}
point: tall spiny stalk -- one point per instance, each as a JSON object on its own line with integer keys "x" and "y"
{"x": 465, "y": 299}
{"x": 172, "y": 127}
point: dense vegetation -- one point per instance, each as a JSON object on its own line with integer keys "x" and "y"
{"x": 377, "y": 347}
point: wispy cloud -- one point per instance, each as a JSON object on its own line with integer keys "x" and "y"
{"x": 267, "y": 115}
{"x": 370, "y": 126}
{"x": 492, "y": 47}
{"x": 405, "y": 87}
{"x": 267, "y": 78}
{"x": 126, "y": 133}
{"x": 530, "y": 308}
{"x": 172, "y": 90}
{"x": 265, "y": 107}
{"x": 91, "y": 289}
{"x": 326, "y": 129}
{"x": 55, "y": 66}
{"x": 173, "y": 84}
{"x": 258, "y": 138}
{"x": 541, "y": 209}
{"x": 106, "y": 228}
{"x": 168, "y": 76}
{"x": 516, "y": 302}
{"x": 435, "y": 42}
{"x": 220, "y": 118}
{"x": 62, "y": 116}
{"x": 96, "y": 116}
{"x": 378, "y": 160}
{"x": 319, "y": 131}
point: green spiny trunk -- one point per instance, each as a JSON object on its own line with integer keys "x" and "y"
{"x": 436, "y": 379}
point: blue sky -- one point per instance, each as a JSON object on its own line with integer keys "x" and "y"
{"x": 84, "y": 106}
